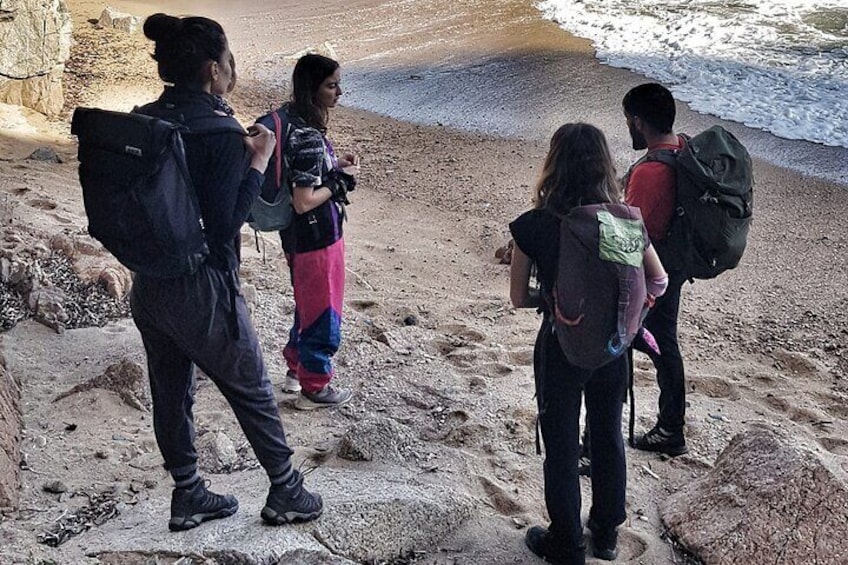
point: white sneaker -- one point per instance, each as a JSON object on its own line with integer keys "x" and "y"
{"x": 291, "y": 385}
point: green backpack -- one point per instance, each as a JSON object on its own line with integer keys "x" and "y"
{"x": 713, "y": 207}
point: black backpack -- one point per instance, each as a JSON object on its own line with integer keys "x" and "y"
{"x": 713, "y": 207}
{"x": 272, "y": 210}
{"x": 138, "y": 194}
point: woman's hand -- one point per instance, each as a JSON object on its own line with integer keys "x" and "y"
{"x": 260, "y": 143}
{"x": 349, "y": 163}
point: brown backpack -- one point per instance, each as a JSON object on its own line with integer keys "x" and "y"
{"x": 600, "y": 295}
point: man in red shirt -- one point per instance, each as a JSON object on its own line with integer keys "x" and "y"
{"x": 651, "y": 186}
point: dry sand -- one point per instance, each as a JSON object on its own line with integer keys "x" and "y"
{"x": 763, "y": 343}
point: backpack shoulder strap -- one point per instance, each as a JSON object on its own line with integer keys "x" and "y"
{"x": 207, "y": 125}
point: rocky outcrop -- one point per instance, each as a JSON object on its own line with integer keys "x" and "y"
{"x": 769, "y": 499}
{"x": 35, "y": 42}
{"x": 10, "y": 438}
{"x": 372, "y": 517}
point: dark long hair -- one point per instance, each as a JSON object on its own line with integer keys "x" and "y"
{"x": 310, "y": 71}
{"x": 184, "y": 46}
{"x": 578, "y": 170}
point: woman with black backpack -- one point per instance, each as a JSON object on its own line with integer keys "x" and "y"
{"x": 578, "y": 172}
{"x": 201, "y": 318}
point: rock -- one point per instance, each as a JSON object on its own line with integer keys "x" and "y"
{"x": 378, "y": 438}
{"x": 56, "y": 487}
{"x": 63, "y": 243}
{"x": 250, "y": 296}
{"x": 11, "y": 419}
{"x": 45, "y": 154}
{"x": 35, "y": 42}
{"x": 769, "y": 499}
{"x": 112, "y": 18}
{"x": 216, "y": 452}
{"x": 47, "y": 305}
{"x": 117, "y": 281}
{"x": 504, "y": 253}
{"x": 374, "y": 517}
{"x": 125, "y": 378}
{"x": 410, "y": 320}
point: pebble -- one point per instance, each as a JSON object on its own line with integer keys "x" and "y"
{"x": 56, "y": 487}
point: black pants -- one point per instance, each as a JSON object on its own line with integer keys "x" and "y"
{"x": 560, "y": 388}
{"x": 662, "y": 323}
{"x": 203, "y": 319}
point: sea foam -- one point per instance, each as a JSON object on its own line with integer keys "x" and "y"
{"x": 777, "y": 65}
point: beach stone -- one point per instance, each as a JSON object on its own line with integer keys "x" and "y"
{"x": 117, "y": 281}
{"x": 769, "y": 499}
{"x": 377, "y": 438}
{"x": 216, "y": 452}
{"x": 11, "y": 426}
{"x": 112, "y": 18}
{"x": 35, "y": 42}
{"x": 45, "y": 154}
{"x": 47, "y": 304}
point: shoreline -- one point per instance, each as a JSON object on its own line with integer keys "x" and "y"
{"x": 496, "y": 67}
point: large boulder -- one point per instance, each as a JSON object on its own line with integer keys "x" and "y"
{"x": 35, "y": 42}
{"x": 769, "y": 499}
{"x": 10, "y": 438}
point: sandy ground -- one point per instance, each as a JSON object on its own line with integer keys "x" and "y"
{"x": 763, "y": 343}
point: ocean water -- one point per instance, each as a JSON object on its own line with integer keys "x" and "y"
{"x": 776, "y": 65}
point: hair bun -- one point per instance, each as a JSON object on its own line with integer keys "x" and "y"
{"x": 160, "y": 27}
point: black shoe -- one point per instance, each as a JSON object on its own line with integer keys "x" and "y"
{"x": 193, "y": 505}
{"x": 661, "y": 441}
{"x": 290, "y": 502}
{"x": 540, "y": 541}
{"x": 604, "y": 541}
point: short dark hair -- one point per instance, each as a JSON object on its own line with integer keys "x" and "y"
{"x": 653, "y": 104}
{"x": 183, "y": 45}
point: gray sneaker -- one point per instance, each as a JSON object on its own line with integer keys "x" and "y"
{"x": 327, "y": 397}
{"x": 291, "y": 385}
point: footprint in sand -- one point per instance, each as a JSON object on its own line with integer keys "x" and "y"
{"x": 500, "y": 500}
{"x": 362, "y": 304}
{"x": 521, "y": 357}
{"x": 835, "y": 445}
{"x": 42, "y": 204}
{"x": 797, "y": 363}
{"x": 62, "y": 219}
{"x": 714, "y": 387}
{"x": 834, "y": 404}
{"x": 462, "y": 332}
{"x": 795, "y": 413}
{"x": 631, "y": 545}
{"x": 495, "y": 370}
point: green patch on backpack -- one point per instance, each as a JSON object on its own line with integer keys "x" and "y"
{"x": 621, "y": 240}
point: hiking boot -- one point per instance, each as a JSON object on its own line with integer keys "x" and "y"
{"x": 661, "y": 441}
{"x": 540, "y": 541}
{"x": 193, "y": 505}
{"x": 290, "y": 502}
{"x": 604, "y": 541}
{"x": 291, "y": 384}
{"x": 327, "y": 397}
